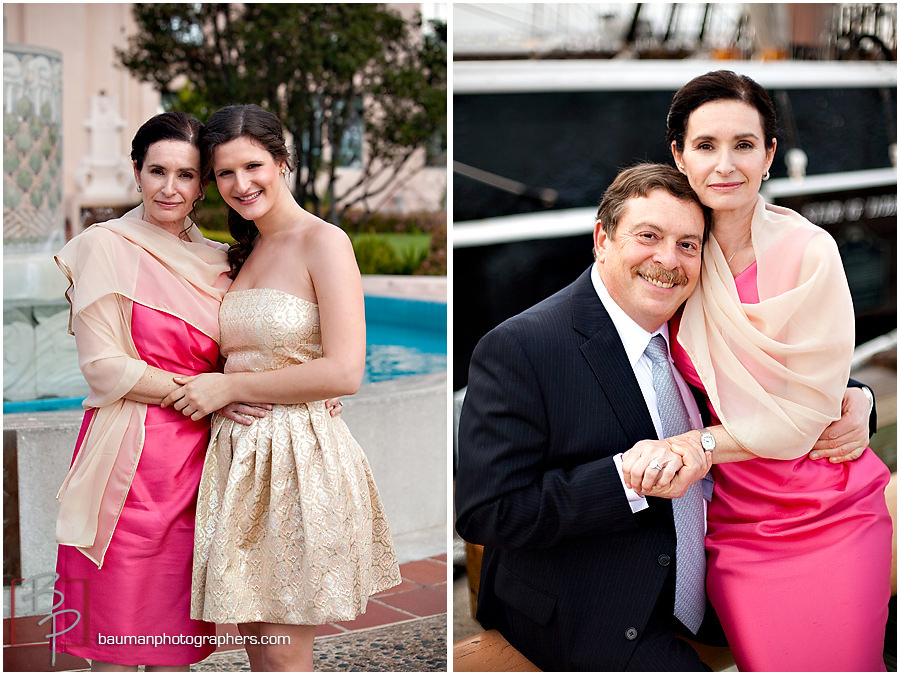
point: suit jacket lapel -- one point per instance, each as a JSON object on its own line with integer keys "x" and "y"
{"x": 606, "y": 357}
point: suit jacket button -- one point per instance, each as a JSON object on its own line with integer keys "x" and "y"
{"x": 631, "y": 633}
{"x": 664, "y": 560}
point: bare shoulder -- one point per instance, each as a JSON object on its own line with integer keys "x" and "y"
{"x": 321, "y": 237}
{"x": 325, "y": 233}
{"x": 330, "y": 258}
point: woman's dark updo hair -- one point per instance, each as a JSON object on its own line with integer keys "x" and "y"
{"x": 168, "y": 126}
{"x": 228, "y": 124}
{"x": 719, "y": 85}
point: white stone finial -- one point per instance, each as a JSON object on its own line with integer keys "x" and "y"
{"x": 104, "y": 177}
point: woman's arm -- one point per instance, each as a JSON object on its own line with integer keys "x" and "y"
{"x": 338, "y": 286}
{"x": 107, "y": 356}
{"x": 107, "y": 359}
{"x": 843, "y": 441}
{"x": 727, "y": 449}
{"x": 153, "y": 386}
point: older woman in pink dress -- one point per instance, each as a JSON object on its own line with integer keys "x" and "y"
{"x": 145, "y": 294}
{"x": 799, "y": 549}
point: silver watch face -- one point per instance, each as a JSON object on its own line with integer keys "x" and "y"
{"x": 708, "y": 441}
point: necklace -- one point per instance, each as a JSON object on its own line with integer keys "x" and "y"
{"x": 738, "y": 250}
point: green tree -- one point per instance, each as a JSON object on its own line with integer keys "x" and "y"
{"x": 321, "y": 67}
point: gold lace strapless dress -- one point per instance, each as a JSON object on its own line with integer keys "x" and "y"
{"x": 290, "y": 527}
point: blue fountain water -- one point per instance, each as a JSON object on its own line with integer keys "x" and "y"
{"x": 403, "y": 337}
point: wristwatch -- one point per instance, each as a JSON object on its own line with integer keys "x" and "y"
{"x": 707, "y": 440}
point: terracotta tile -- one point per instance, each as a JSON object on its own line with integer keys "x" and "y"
{"x": 26, "y": 629}
{"x": 377, "y": 614}
{"x": 442, "y": 557}
{"x": 425, "y": 572}
{"x": 404, "y": 585}
{"x": 36, "y": 658}
{"x": 328, "y": 629}
{"x": 421, "y": 602}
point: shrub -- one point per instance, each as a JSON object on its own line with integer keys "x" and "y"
{"x": 355, "y": 221}
{"x": 216, "y": 235}
{"x": 375, "y": 256}
{"x": 436, "y": 260}
{"x": 410, "y": 261}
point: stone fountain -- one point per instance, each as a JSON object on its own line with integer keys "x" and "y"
{"x": 33, "y": 229}
{"x": 39, "y": 356}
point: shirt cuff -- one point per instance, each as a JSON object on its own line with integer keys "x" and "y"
{"x": 635, "y": 501}
{"x": 869, "y": 395}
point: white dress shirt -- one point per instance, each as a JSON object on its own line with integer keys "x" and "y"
{"x": 635, "y": 340}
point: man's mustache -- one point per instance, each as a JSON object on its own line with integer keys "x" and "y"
{"x": 661, "y": 274}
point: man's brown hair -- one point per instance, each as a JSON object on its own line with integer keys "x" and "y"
{"x": 639, "y": 181}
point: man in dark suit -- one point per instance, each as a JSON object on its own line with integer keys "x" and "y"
{"x": 572, "y": 576}
{"x": 578, "y": 570}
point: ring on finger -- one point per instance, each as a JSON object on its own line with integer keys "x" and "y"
{"x": 655, "y": 465}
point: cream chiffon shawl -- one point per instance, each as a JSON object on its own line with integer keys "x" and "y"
{"x": 109, "y": 266}
{"x": 775, "y": 371}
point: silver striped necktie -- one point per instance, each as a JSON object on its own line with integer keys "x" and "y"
{"x": 690, "y": 556}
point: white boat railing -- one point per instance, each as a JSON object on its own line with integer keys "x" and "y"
{"x": 535, "y": 76}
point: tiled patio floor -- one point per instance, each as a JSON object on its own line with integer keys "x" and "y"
{"x": 421, "y": 594}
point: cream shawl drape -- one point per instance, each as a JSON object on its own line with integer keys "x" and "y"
{"x": 775, "y": 372}
{"x": 109, "y": 266}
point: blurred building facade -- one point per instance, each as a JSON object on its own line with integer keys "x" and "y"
{"x": 87, "y": 34}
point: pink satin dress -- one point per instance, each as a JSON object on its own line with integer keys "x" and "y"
{"x": 799, "y": 554}
{"x": 142, "y": 594}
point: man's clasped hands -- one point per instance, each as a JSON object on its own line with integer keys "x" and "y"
{"x": 682, "y": 459}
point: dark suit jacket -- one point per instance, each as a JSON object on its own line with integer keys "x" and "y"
{"x": 570, "y": 576}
